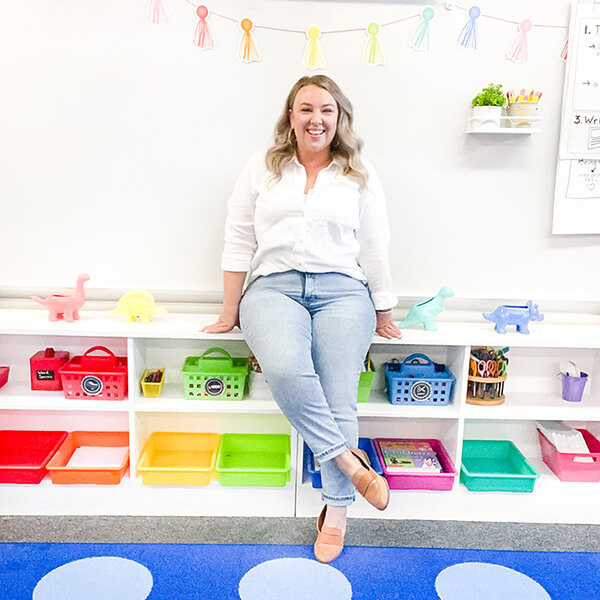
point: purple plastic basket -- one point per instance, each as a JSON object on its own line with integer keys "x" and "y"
{"x": 420, "y": 481}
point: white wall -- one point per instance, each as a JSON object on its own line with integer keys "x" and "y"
{"x": 120, "y": 142}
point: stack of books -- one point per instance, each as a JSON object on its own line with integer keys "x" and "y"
{"x": 409, "y": 457}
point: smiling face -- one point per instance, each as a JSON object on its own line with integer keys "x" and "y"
{"x": 313, "y": 118}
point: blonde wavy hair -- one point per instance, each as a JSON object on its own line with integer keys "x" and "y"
{"x": 345, "y": 147}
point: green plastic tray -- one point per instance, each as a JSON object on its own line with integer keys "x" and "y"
{"x": 495, "y": 466}
{"x": 254, "y": 459}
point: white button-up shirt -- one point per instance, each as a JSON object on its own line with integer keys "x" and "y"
{"x": 273, "y": 227}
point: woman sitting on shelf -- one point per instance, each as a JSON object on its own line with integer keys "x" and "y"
{"x": 307, "y": 224}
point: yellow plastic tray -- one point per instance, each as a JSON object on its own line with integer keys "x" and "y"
{"x": 178, "y": 458}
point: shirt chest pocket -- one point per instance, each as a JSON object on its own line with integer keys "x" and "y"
{"x": 341, "y": 211}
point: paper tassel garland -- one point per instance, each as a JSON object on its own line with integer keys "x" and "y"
{"x": 203, "y": 36}
{"x": 157, "y": 12}
{"x": 313, "y": 57}
{"x": 420, "y": 38}
{"x": 518, "y": 51}
{"x": 248, "y": 49}
{"x": 468, "y": 35}
{"x": 373, "y": 54}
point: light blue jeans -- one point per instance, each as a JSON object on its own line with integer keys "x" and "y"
{"x": 310, "y": 333}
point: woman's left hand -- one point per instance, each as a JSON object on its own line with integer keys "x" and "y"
{"x": 386, "y": 327}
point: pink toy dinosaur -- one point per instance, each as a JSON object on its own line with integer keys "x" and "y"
{"x": 65, "y": 307}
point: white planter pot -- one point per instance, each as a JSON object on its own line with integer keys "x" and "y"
{"x": 486, "y": 118}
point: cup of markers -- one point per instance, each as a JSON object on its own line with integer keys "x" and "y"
{"x": 522, "y": 108}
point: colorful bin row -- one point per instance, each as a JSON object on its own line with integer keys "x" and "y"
{"x": 234, "y": 459}
{"x": 76, "y": 457}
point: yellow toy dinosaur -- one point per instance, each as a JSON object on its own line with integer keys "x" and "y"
{"x": 137, "y": 304}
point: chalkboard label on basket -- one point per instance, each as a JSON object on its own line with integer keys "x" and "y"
{"x": 420, "y": 391}
{"x": 91, "y": 385}
{"x": 44, "y": 375}
{"x": 214, "y": 386}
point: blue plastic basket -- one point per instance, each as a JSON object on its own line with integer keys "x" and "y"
{"x": 414, "y": 382}
{"x": 364, "y": 443}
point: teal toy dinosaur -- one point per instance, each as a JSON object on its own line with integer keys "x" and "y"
{"x": 426, "y": 312}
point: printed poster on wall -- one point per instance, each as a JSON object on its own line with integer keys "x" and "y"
{"x": 584, "y": 178}
{"x": 580, "y": 130}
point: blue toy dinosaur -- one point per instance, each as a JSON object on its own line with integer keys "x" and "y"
{"x": 520, "y": 316}
{"x": 426, "y": 312}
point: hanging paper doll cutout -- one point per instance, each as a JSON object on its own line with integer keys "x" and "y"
{"x": 468, "y": 35}
{"x": 420, "y": 38}
{"x": 157, "y": 12}
{"x": 203, "y": 35}
{"x": 248, "y": 49}
{"x": 373, "y": 54}
{"x": 313, "y": 56}
{"x": 518, "y": 51}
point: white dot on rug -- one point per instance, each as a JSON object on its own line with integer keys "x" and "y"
{"x": 294, "y": 579}
{"x": 477, "y": 581}
{"x": 96, "y": 578}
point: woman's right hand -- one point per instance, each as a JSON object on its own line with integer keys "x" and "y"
{"x": 224, "y": 324}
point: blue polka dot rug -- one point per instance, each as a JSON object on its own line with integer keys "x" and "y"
{"x": 51, "y": 571}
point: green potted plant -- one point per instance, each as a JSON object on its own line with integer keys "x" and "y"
{"x": 487, "y": 107}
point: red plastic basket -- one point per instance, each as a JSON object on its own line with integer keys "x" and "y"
{"x": 95, "y": 377}
{"x": 24, "y": 454}
{"x": 569, "y": 467}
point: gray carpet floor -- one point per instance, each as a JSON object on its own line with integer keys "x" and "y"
{"x": 242, "y": 530}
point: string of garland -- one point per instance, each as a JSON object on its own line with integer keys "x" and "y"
{"x": 373, "y": 53}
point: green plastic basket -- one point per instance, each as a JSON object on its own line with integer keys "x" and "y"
{"x": 495, "y": 466}
{"x": 365, "y": 383}
{"x": 254, "y": 459}
{"x": 215, "y": 377}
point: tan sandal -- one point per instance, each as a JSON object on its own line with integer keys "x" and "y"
{"x": 330, "y": 541}
{"x": 372, "y": 487}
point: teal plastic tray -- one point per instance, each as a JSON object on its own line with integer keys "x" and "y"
{"x": 254, "y": 459}
{"x": 495, "y": 466}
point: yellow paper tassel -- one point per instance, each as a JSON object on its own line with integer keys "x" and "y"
{"x": 313, "y": 57}
{"x": 373, "y": 54}
{"x": 248, "y": 49}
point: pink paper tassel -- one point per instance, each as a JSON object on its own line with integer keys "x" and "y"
{"x": 157, "y": 12}
{"x": 203, "y": 36}
{"x": 565, "y": 50}
{"x": 518, "y": 51}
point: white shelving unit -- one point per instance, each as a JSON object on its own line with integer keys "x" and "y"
{"x": 532, "y": 393}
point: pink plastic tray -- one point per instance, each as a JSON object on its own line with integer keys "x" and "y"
{"x": 567, "y": 466}
{"x": 420, "y": 481}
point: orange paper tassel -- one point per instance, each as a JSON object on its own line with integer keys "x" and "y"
{"x": 248, "y": 49}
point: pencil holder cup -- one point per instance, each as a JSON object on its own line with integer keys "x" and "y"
{"x": 522, "y": 113}
{"x": 572, "y": 387}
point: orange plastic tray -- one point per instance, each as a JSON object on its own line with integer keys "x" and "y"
{"x": 62, "y": 473}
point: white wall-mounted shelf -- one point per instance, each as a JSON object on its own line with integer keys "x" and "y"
{"x": 532, "y": 392}
{"x": 506, "y": 125}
